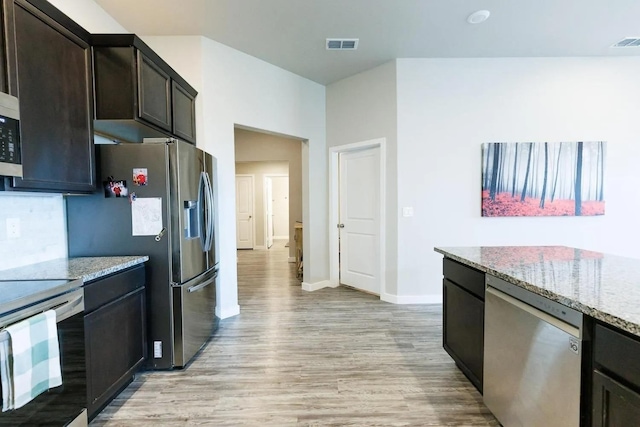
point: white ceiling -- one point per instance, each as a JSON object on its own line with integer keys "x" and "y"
{"x": 291, "y": 33}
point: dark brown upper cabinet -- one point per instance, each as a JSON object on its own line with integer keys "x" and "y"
{"x": 47, "y": 66}
{"x": 137, "y": 94}
{"x": 184, "y": 113}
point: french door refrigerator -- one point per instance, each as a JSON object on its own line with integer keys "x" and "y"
{"x": 157, "y": 198}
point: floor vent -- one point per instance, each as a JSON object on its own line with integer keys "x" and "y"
{"x": 342, "y": 44}
{"x": 628, "y": 42}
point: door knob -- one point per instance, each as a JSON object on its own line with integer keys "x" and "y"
{"x": 340, "y": 225}
{"x": 249, "y": 216}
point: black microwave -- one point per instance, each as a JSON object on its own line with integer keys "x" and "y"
{"x": 10, "y": 150}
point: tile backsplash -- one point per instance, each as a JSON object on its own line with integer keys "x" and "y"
{"x": 42, "y": 229}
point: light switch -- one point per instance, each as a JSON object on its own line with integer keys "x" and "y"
{"x": 13, "y": 228}
{"x": 407, "y": 212}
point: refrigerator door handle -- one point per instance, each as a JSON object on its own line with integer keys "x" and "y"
{"x": 196, "y": 288}
{"x": 203, "y": 200}
{"x": 210, "y": 213}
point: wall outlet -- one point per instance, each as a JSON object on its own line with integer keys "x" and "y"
{"x": 407, "y": 212}
{"x": 157, "y": 349}
{"x": 13, "y": 228}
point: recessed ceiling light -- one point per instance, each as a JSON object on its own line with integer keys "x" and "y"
{"x": 478, "y": 17}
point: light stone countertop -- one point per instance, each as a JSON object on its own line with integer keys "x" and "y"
{"x": 606, "y": 287}
{"x": 86, "y": 268}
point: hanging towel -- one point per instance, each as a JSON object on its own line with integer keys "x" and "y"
{"x": 32, "y": 362}
{"x": 5, "y": 371}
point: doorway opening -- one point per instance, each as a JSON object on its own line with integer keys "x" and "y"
{"x": 275, "y": 162}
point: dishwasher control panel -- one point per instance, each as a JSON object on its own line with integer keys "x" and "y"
{"x": 562, "y": 312}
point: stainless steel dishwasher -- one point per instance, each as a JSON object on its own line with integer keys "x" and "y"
{"x": 532, "y": 358}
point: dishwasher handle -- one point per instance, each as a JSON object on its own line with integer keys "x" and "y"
{"x": 570, "y": 329}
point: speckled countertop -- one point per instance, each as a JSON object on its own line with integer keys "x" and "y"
{"x": 606, "y": 287}
{"x": 86, "y": 268}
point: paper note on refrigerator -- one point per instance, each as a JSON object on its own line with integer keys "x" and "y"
{"x": 146, "y": 216}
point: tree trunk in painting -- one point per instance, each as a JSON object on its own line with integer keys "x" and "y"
{"x": 546, "y": 171}
{"x": 578, "y": 181}
{"x": 503, "y": 156}
{"x": 494, "y": 172}
{"x": 515, "y": 164}
{"x": 526, "y": 174}
{"x": 534, "y": 172}
{"x": 601, "y": 161}
{"x": 557, "y": 171}
{"x": 486, "y": 167}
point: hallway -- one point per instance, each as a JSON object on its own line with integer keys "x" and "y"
{"x": 292, "y": 358}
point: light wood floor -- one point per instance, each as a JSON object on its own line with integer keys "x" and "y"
{"x": 292, "y": 358}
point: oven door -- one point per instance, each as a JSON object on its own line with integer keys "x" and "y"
{"x": 64, "y": 405}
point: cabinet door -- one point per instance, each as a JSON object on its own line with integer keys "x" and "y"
{"x": 464, "y": 331}
{"x": 614, "y": 405}
{"x": 154, "y": 93}
{"x": 52, "y": 69}
{"x": 115, "y": 340}
{"x": 184, "y": 113}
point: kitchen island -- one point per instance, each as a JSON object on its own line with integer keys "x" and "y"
{"x": 604, "y": 288}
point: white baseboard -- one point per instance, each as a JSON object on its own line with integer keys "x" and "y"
{"x": 260, "y": 248}
{"x": 412, "y": 299}
{"x": 280, "y": 237}
{"x": 228, "y": 311}
{"x": 292, "y": 259}
{"x": 310, "y": 287}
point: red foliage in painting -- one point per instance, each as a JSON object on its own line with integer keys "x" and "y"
{"x": 505, "y": 205}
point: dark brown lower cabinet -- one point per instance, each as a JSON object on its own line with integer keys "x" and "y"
{"x": 616, "y": 378}
{"x": 464, "y": 330}
{"x": 115, "y": 335}
{"x": 614, "y": 405}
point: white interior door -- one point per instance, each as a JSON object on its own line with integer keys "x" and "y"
{"x": 268, "y": 188}
{"x": 244, "y": 211}
{"x": 359, "y": 219}
{"x": 280, "y": 207}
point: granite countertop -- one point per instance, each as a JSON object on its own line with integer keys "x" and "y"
{"x": 85, "y": 268}
{"x": 606, "y": 287}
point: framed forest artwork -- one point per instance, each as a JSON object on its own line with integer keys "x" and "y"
{"x": 543, "y": 178}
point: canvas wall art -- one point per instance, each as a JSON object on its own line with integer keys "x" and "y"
{"x": 543, "y": 178}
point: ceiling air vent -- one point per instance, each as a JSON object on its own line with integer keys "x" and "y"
{"x": 628, "y": 42}
{"x": 342, "y": 44}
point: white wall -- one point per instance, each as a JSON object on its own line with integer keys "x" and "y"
{"x": 448, "y": 107}
{"x": 361, "y": 108}
{"x": 89, "y": 15}
{"x": 237, "y": 89}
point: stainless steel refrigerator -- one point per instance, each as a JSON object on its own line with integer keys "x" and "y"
{"x": 157, "y": 198}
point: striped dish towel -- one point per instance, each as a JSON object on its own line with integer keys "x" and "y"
{"x": 30, "y": 360}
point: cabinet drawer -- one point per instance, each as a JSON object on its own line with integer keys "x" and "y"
{"x": 617, "y": 353}
{"x": 468, "y": 278}
{"x": 104, "y": 290}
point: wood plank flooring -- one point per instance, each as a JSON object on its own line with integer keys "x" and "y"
{"x": 334, "y": 357}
